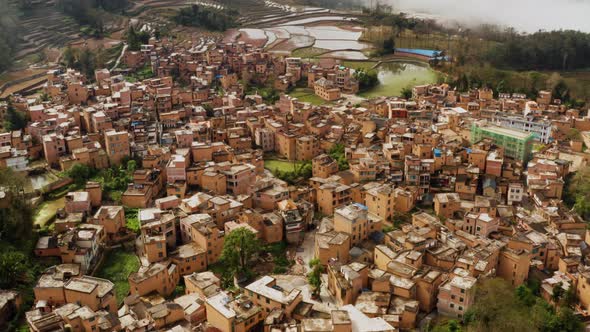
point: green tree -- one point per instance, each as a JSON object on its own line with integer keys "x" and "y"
{"x": 557, "y": 293}
{"x": 367, "y": 79}
{"x": 87, "y": 62}
{"x": 389, "y": 45}
{"x": 577, "y": 192}
{"x": 406, "y": 93}
{"x": 68, "y": 57}
{"x": 16, "y": 220}
{"x": 314, "y": 277}
{"x": 525, "y": 295}
{"x": 13, "y": 119}
{"x": 14, "y": 268}
{"x": 337, "y": 152}
{"x": 208, "y": 18}
{"x": 239, "y": 247}
{"x": 570, "y": 298}
{"x": 79, "y": 173}
{"x": 9, "y": 36}
{"x": 498, "y": 307}
{"x": 133, "y": 42}
{"x": 561, "y": 91}
{"x": 447, "y": 326}
{"x": 131, "y": 166}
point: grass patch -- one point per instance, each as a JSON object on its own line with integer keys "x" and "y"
{"x": 307, "y": 95}
{"x": 132, "y": 220}
{"x": 47, "y": 211}
{"x": 281, "y": 165}
{"x": 364, "y": 65}
{"x": 117, "y": 267}
{"x": 579, "y": 83}
{"x": 140, "y": 74}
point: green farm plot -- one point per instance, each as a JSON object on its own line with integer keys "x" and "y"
{"x": 307, "y": 95}
{"x": 47, "y": 210}
{"x": 274, "y": 165}
{"x": 117, "y": 267}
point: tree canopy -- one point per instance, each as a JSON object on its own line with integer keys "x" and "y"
{"x": 136, "y": 39}
{"x": 16, "y": 220}
{"x": 314, "y": 277}
{"x": 92, "y": 12}
{"x": 8, "y": 34}
{"x": 80, "y": 173}
{"x": 84, "y": 60}
{"x": 498, "y": 307}
{"x": 577, "y": 192}
{"x": 239, "y": 247}
{"x": 554, "y": 50}
{"x": 208, "y": 18}
{"x": 13, "y": 119}
{"x": 14, "y": 267}
{"x": 367, "y": 79}
{"x": 337, "y": 152}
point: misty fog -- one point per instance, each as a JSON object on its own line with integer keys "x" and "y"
{"x": 524, "y": 15}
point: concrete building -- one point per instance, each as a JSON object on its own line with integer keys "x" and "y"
{"x": 161, "y": 277}
{"x": 456, "y": 296}
{"x": 516, "y": 144}
{"x": 355, "y": 220}
{"x": 228, "y": 314}
{"x": 326, "y": 89}
{"x": 541, "y": 129}
{"x": 266, "y": 294}
{"x": 117, "y": 145}
{"x": 323, "y": 166}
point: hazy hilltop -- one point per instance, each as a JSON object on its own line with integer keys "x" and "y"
{"x": 524, "y": 15}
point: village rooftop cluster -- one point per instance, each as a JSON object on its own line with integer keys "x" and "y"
{"x": 480, "y": 180}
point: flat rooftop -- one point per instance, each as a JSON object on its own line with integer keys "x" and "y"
{"x": 506, "y": 131}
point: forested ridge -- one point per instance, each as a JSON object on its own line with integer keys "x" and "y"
{"x": 208, "y": 18}
{"x": 554, "y": 50}
{"x": 8, "y": 34}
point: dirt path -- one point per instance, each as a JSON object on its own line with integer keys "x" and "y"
{"x": 120, "y": 57}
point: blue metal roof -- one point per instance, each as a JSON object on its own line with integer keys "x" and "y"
{"x": 364, "y": 207}
{"x": 428, "y": 53}
{"x": 437, "y": 153}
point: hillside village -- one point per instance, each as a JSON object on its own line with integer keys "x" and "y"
{"x": 400, "y": 205}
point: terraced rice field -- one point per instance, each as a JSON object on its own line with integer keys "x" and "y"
{"x": 295, "y": 33}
